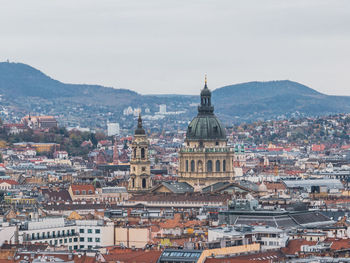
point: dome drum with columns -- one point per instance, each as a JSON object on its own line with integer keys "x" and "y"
{"x": 205, "y": 159}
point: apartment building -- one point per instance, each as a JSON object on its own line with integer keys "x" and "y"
{"x": 75, "y": 234}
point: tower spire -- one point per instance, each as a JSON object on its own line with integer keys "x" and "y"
{"x": 205, "y": 106}
{"x": 139, "y": 121}
{"x": 139, "y": 130}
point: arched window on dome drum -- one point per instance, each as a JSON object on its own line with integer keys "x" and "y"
{"x": 217, "y": 166}
{"x": 134, "y": 152}
{"x": 209, "y": 166}
{"x": 192, "y": 166}
{"x": 142, "y": 153}
{"x": 144, "y": 183}
{"x": 186, "y": 165}
{"x": 199, "y": 166}
{"x": 224, "y": 165}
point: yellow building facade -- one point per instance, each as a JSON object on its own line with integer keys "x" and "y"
{"x": 140, "y": 165}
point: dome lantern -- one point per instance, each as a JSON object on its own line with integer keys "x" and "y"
{"x": 205, "y": 126}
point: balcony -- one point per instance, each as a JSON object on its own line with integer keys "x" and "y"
{"x": 207, "y": 150}
{"x": 45, "y": 237}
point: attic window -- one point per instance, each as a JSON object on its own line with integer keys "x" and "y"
{"x": 77, "y": 192}
{"x": 216, "y": 129}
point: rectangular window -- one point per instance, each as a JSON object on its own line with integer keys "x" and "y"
{"x": 65, "y": 240}
{"x": 89, "y": 230}
{"x": 97, "y": 239}
{"x": 84, "y": 192}
{"x": 75, "y": 247}
{"x": 81, "y": 239}
{"x": 77, "y": 192}
{"x": 81, "y": 246}
{"x": 75, "y": 239}
{"x": 97, "y": 231}
{"x": 81, "y": 230}
{"x": 89, "y": 247}
{"x": 89, "y": 239}
{"x": 70, "y": 240}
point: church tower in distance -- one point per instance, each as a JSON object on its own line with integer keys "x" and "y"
{"x": 140, "y": 171}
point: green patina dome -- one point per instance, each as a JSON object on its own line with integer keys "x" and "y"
{"x": 206, "y": 126}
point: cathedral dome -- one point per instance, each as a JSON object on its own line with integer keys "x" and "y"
{"x": 206, "y": 126}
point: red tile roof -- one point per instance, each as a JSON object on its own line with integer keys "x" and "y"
{"x": 81, "y": 187}
{"x": 339, "y": 244}
{"x": 273, "y": 186}
{"x": 295, "y": 245}
{"x": 12, "y": 182}
{"x": 138, "y": 256}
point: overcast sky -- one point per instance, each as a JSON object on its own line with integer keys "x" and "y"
{"x": 161, "y": 46}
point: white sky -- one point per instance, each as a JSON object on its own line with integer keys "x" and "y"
{"x": 163, "y": 46}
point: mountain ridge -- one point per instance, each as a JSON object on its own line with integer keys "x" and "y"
{"x": 25, "y": 87}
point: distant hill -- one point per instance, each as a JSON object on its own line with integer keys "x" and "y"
{"x": 29, "y": 90}
{"x": 17, "y": 79}
{"x": 270, "y": 99}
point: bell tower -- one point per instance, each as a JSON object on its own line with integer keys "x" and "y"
{"x": 140, "y": 170}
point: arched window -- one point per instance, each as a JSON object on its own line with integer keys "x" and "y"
{"x": 224, "y": 165}
{"x": 200, "y": 167}
{"x": 217, "y": 166}
{"x": 209, "y": 166}
{"x": 192, "y": 166}
{"x": 144, "y": 183}
{"x": 186, "y": 165}
{"x": 142, "y": 153}
{"x": 133, "y": 182}
{"x": 134, "y": 152}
